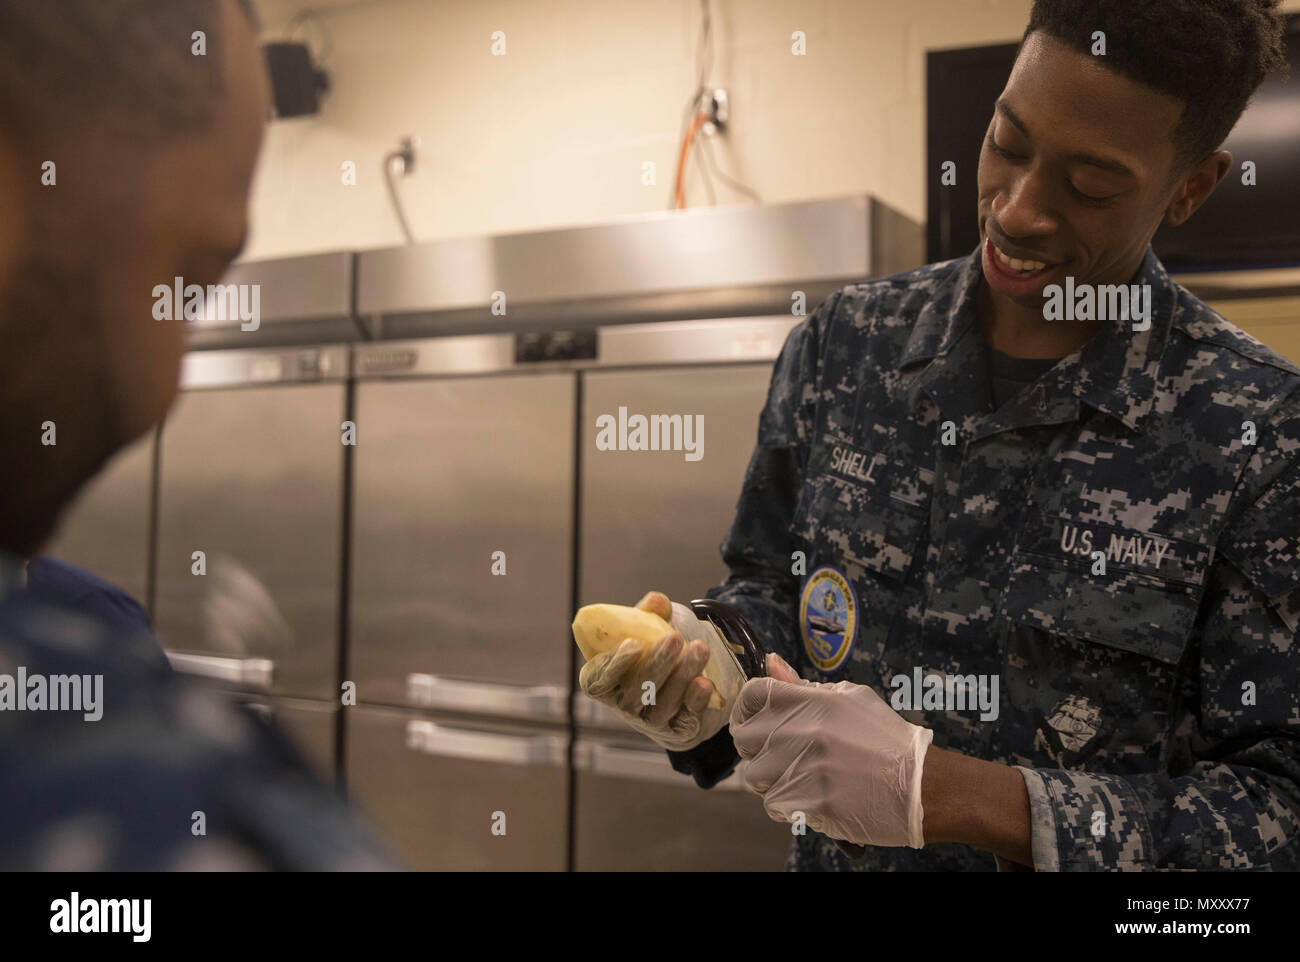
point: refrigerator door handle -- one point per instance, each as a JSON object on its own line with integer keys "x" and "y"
{"x": 255, "y": 673}
{"x": 434, "y": 739}
{"x": 535, "y": 701}
{"x": 651, "y": 766}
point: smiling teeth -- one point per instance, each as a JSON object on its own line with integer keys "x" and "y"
{"x": 1016, "y": 264}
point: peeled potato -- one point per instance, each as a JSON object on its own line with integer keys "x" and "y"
{"x": 602, "y": 628}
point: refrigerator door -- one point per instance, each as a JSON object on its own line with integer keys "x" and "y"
{"x": 460, "y": 795}
{"x": 252, "y": 477}
{"x": 462, "y": 549}
{"x": 106, "y": 530}
{"x": 683, "y": 508}
{"x": 653, "y": 519}
{"x": 634, "y": 813}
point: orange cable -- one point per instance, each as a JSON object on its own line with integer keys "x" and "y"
{"x": 679, "y": 189}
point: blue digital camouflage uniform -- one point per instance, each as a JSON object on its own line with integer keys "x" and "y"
{"x": 67, "y": 586}
{"x": 1155, "y": 708}
{"x": 120, "y": 793}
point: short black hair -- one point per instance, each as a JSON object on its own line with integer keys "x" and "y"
{"x": 1210, "y": 54}
{"x": 65, "y": 62}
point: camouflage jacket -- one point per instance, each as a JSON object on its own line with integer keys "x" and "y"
{"x": 172, "y": 774}
{"x": 1152, "y": 703}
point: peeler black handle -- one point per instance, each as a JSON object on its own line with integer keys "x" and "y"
{"x": 753, "y": 662}
{"x": 735, "y": 629}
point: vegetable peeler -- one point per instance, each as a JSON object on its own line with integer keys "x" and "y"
{"x": 752, "y": 660}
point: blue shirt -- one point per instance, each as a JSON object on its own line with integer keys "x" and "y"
{"x": 160, "y": 773}
{"x": 59, "y": 583}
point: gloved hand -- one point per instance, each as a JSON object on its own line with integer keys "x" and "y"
{"x": 680, "y": 717}
{"x": 836, "y": 752}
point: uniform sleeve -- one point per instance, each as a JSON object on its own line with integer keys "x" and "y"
{"x": 1232, "y": 801}
{"x": 757, "y": 549}
{"x": 152, "y": 770}
{"x": 67, "y": 586}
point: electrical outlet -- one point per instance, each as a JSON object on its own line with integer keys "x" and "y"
{"x": 715, "y": 105}
{"x": 406, "y": 153}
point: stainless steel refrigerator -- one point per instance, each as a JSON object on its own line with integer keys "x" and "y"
{"x": 250, "y": 508}
{"x": 654, "y": 520}
{"x": 461, "y": 572}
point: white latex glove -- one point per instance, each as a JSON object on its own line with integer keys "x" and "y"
{"x": 680, "y": 718}
{"x": 836, "y": 752}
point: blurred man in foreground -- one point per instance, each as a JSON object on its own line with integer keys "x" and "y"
{"x": 129, "y": 130}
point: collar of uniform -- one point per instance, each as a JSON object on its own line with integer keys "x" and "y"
{"x": 947, "y": 315}
{"x": 1114, "y": 372}
{"x": 950, "y": 307}
{"x": 13, "y": 573}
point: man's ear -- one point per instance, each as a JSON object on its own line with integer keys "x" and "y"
{"x": 1197, "y": 185}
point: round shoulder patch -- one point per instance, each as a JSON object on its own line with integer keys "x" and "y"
{"x": 828, "y": 618}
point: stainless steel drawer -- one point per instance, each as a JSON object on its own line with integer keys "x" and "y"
{"x": 634, "y": 813}
{"x": 433, "y": 788}
{"x": 308, "y": 724}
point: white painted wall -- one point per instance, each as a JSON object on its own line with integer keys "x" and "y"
{"x": 555, "y": 133}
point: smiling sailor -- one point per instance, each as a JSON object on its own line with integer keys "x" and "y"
{"x": 1040, "y": 577}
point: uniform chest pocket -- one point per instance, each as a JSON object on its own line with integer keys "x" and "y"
{"x": 1092, "y": 662}
{"x": 863, "y": 509}
{"x": 1145, "y": 603}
